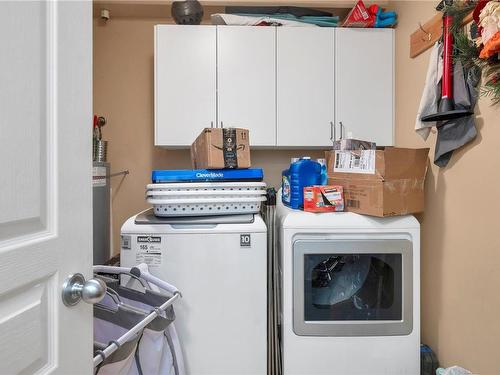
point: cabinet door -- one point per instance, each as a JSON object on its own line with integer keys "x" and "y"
{"x": 185, "y": 82}
{"x": 246, "y": 65}
{"x": 364, "y": 81}
{"x": 305, "y": 86}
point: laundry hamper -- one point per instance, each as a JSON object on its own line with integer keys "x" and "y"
{"x": 134, "y": 333}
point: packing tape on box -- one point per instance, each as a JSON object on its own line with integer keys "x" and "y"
{"x": 229, "y": 148}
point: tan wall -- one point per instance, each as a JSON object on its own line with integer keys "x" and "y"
{"x": 460, "y": 254}
{"x": 123, "y": 93}
{"x": 460, "y": 251}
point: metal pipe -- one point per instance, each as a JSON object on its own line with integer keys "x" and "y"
{"x": 146, "y": 276}
{"x": 125, "y": 172}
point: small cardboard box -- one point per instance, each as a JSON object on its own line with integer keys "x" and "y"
{"x": 217, "y": 148}
{"x": 323, "y": 198}
{"x": 353, "y": 144}
{"x": 385, "y": 182}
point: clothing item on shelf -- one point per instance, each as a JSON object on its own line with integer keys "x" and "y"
{"x": 273, "y": 20}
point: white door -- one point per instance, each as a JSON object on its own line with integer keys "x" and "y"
{"x": 185, "y": 83}
{"x": 305, "y": 85}
{"x": 246, "y": 65}
{"x": 364, "y": 83}
{"x": 45, "y": 184}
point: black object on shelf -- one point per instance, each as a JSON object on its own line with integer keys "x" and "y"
{"x": 189, "y": 12}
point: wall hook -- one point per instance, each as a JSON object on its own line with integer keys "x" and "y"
{"x": 429, "y": 35}
{"x": 105, "y": 14}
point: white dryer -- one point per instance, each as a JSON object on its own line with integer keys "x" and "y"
{"x": 219, "y": 265}
{"x": 350, "y": 293}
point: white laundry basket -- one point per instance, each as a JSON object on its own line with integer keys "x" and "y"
{"x": 206, "y": 198}
{"x": 209, "y": 186}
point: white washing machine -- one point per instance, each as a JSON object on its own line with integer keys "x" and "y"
{"x": 350, "y": 293}
{"x": 219, "y": 265}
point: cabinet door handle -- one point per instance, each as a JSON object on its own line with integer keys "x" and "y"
{"x": 333, "y": 134}
{"x": 342, "y": 132}
{"x": 211, "y": 124}
{"x": 221, "y": 125}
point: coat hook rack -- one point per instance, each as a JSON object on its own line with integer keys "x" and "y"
{"x": 429, "y": 33}
{"x": 426, "y": 35}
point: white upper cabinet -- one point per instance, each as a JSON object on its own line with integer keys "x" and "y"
{"x": 364, "y": 83}
{"x": 305, "y": 86}
{"x": 185, "y": 82}
{"x": 246, "y": 76}
{"x": 290, "y": 86}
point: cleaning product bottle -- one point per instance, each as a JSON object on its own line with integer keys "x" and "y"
{"x": 324, "y": 175}
{"x": 285, "y": 183}
{"x": 304, "y": 172}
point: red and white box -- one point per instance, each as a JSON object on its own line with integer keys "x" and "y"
{"x": 359, "y": 17}
{"x": 327, "y": 198}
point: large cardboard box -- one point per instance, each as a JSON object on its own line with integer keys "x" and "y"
{"x": 384, "y": 182}
{"x": 218, "y": 148}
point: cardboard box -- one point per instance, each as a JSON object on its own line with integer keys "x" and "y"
{"x": 323, "y": 198}
{"x": 385, "y": 182}
{"x": 218, "y": 148}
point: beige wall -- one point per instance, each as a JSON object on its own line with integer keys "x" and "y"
{"x": 460, "y": 254}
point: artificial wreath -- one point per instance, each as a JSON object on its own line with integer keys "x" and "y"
{"x": 480, "y": 45}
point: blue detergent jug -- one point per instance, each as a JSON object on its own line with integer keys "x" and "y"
{"x": 285, "y": 183}
{"x": 324, "y": 175}
{"x": 303, "y": 172}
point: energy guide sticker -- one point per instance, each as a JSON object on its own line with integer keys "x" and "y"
{"x": 149, "y": 250}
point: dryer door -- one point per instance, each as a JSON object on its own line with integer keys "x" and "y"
{"x": 352, "y": 288}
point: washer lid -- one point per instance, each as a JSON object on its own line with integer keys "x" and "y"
{"x": 148, "y": 217}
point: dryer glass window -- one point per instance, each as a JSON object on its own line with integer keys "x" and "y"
{"x": 352, "y": 287}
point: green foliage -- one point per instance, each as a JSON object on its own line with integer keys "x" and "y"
{"x": 491, "y": 85}
{"x": 466, "y": 51}
{"x": 459, "y": 10}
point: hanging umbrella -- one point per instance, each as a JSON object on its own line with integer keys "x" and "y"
{"x": 447, "y": 110}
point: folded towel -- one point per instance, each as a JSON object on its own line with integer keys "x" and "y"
{"x": 453, "y": 134}
{"x": 233, "y": 19}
